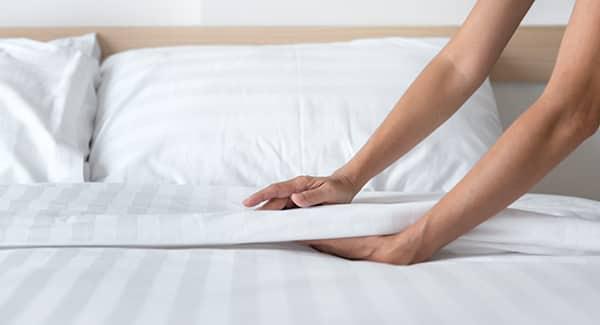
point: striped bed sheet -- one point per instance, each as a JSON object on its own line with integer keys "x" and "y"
{"x": 144, "y": 254}
{"x": 286, "y": 284}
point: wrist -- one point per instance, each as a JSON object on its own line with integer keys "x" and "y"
{"x": 351, "y": 176}
{"x": 407, "y": 247}
{"x": 420, "y": 244}
{"x": 431, "y": 236}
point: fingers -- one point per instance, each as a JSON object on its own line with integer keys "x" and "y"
{"x": 310, "y": 197}
{"x": 358, "y": 248}
{"x": 278, "y": 190}
{"x": 336, "y": 242}
{"x": 275, "y": 204}
{"x": 270, "y": 192}
{"x": 337, "y": 249}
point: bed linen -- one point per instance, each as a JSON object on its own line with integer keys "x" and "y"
{"x": 131, "y": 254}
{"x": 289, "y": 284}
{"x": 47, "y": 107}
{"x": 185, "y": 215}
{"x": 254, "y": 115}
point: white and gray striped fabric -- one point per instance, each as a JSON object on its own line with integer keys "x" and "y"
{"x": 180, "y": 215}
{"x": 289, "y": 285}
{"x": 56, "y": 266}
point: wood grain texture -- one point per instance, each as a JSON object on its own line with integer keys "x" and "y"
{"x": 529, "y": 56}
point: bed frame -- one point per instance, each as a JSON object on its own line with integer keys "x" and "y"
{"x": 529, "y": 56}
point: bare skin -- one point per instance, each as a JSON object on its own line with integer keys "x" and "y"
{"x": 564, "y": 116}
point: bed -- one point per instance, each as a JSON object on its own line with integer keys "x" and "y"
{"x": 108, "y": 253}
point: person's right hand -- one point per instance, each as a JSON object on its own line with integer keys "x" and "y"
{"x": 304, "y": 191}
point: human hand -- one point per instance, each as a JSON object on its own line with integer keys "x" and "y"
{"x": 398, "y": 249}
{"x": 304, "y": 191}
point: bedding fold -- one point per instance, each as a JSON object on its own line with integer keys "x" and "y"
{"x": 191, "y": 216}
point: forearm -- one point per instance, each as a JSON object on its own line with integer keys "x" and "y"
{"x": 443, "y": 86}
{"x": 530, "y": 148}
{"x": 432, "y": 98}
{"x": 567, "y": 113}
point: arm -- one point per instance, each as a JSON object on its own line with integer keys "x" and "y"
{"x": 565, "y": 115}
{"x": 437, "y": 93}
{"x": 441, "y": 89}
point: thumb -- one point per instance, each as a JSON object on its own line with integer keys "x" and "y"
{"x": 309, "y": 198}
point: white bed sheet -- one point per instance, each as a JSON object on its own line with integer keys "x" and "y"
{"x": 288, "y": 284}
{"x": 182, "y": 215}
{"x": 85, "y": 282}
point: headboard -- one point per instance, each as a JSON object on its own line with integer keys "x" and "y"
{"x": 529, "y": 56}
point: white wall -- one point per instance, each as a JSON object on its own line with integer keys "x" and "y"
{"x": 363, "y": 12}
{"x": 256, "y": 12}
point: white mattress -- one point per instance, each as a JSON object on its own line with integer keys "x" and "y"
{"x": 160, "y": 282}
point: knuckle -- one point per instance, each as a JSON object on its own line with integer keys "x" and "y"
{"x": 274, "y": 187}
{"x": 303, "y": 179}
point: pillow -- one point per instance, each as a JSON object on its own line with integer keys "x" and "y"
{"x": 47, "y": 106}
{"x": 252, "y": 115}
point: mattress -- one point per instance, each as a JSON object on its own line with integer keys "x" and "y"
{"x": 133, "y": 254}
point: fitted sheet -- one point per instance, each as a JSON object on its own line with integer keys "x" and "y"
{"x": 290, "y": 284}
{"x": 134, "y": 254}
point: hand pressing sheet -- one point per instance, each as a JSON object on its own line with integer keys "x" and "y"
{"x": 191, "y": 216}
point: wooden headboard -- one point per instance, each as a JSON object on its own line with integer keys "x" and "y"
{"x": 529, "y": 56}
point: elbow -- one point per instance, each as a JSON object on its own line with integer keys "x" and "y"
{"x": 574, "y": 98}
{"x": 577, "y": 122}
{"x": 575, "y": 110}
{"x": 580, "y": 129}
{"x": 586, "y": 125}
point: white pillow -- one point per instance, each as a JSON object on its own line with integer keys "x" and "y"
{"x": 47, "y": 106}
{"x": 252, "y": 115}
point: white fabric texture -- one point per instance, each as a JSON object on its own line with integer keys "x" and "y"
{"x": 289, "y": 284}
{"x": 47, "y": 106}
{"x": 252, "y": 115}
{"x": 177, "y": 276}
{"x": 184, "y": 215}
